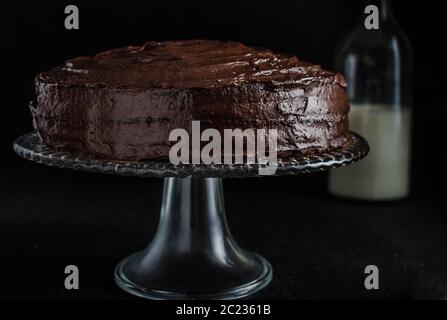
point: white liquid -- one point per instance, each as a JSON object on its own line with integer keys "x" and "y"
{"x": 384, "y": 173}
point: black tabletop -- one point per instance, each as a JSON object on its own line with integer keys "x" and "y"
{"x": 318, "y": 245}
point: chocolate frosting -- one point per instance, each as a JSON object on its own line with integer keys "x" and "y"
{"x": 187, "y": 64}
{"x": 123, "y": 103}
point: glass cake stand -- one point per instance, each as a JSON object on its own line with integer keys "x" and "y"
{"x": 193, "y": 255}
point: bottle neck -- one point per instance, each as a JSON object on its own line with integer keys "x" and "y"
{"x": 385, "y": 11}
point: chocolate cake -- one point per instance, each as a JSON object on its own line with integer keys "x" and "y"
{"x": 123, "y": 103}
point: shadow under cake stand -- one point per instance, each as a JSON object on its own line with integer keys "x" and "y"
{"x": 193, "y": 255}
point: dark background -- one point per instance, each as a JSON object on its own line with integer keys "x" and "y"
{"x": 318, "y": 245}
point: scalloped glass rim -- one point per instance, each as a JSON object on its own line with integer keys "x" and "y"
{"x": 30, "y": 146}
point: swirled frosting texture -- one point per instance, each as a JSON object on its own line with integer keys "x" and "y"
{"x": 187, "y": 64}
{"x": 123, "y": 103}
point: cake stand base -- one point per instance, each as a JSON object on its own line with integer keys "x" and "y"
{"x": 193, "y": 255}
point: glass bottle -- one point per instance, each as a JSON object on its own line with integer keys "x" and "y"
{"x": 377, "y": 65}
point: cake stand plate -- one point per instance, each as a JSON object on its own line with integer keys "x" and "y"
{"x": 193, "y": 255}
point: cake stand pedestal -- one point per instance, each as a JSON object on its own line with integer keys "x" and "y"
{"x": 193, "y": 255}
